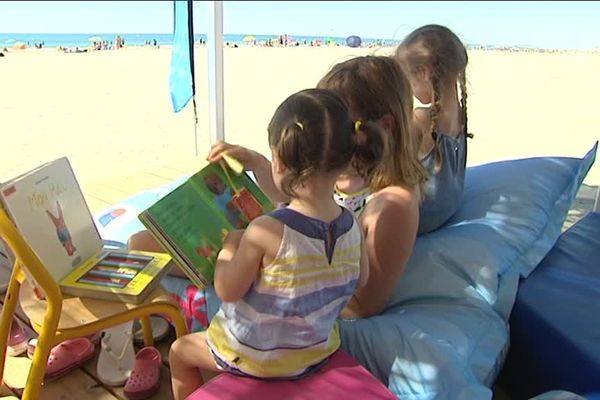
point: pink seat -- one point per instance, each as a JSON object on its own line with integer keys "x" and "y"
{"x": 341, "y": 378}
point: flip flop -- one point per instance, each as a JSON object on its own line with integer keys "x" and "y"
{"x": 145, "y": 376}
{"x": 117, "y": 355}
{"x": 160, "y": 329}
{"x": 67, "y": 356}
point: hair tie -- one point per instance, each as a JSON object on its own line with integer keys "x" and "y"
{"x": 357, "y": 126}
{"x": 300, "y": 125}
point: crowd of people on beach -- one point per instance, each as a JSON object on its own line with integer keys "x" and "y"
{"x": 286, "y": 40}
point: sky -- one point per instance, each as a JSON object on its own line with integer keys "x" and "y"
{"x": 554, "y": 24}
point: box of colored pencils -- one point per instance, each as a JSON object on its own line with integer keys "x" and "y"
{"x": 117, "y": 275}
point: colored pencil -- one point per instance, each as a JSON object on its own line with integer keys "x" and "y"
{"x": 127, "y": 256}
{"x": 110, "y": 274}
{"x": 121, "y": 270}
{"x": 100, "y": 281}
{"x": 110, "y": 263}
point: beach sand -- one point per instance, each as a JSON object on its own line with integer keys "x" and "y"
{"x": 110, "y": 111}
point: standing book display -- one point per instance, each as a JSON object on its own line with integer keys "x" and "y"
{"x": 49, "y": 210}
{"x": 192, "y": 221}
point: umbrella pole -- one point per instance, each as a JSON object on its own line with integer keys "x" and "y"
{"x": 215, "y": 74}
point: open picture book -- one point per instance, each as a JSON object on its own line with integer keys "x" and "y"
{"x": 193, "y": 220}
{"x": 48, "y": 208}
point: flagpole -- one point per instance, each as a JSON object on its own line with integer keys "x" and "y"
{"x": 192, "y": 45}
{"x": 215, "y": 74}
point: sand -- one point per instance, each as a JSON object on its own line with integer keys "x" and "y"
{"x": 110, "y": 112}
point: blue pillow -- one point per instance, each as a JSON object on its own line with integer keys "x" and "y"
{"x": 444, "y": 333}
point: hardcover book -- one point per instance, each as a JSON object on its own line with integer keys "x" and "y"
{"x": 192, "y": 221}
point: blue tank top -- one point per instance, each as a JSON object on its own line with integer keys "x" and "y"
{"x": 443, "y": 191}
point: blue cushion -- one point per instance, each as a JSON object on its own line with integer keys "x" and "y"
{"x": 444, "y": 333}
{"x": 554, "y": 331}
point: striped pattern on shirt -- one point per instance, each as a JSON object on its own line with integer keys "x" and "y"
{"x": 286, "y": 323}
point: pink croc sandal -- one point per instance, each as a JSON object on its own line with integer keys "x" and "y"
{"x": 67, "y": 356}
{"x": 144, "y": 380}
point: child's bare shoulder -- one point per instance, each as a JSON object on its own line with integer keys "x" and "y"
{"x": 391, "y": 206}
{"x": 265, "y": 225}
{"x": 393, "y": 196}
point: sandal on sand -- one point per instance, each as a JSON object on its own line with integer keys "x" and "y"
{"x": 145, "y": 376}
{"x": 160, "y": 329}
{"x": 67, "y": 356}
{"x": 117, "y": 355}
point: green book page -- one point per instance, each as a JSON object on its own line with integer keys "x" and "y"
{"x": 197, "y": 215}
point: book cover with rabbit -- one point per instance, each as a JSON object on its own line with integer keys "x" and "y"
{"x": 48, "y": 208}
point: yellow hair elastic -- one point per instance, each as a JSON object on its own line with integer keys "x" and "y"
{"x": 300, "y": 125}
{"x": 357, "y": 126}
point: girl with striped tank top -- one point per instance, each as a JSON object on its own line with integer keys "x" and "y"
{"x": 286, "y": 278}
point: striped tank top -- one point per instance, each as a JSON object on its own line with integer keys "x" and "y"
{"x": 286, "y": 323}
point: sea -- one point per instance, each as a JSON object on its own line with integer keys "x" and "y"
{"x": 140, "y": 39}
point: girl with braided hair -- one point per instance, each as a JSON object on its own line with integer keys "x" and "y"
{"x": 435, "y": 62}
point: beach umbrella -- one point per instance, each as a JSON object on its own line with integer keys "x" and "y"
{"x": 249, "y": 38}
{"x": 95, "y": 39}
{"x": 353, "y": 41}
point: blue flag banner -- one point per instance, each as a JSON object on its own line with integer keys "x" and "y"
{"x": 181, "y": 78}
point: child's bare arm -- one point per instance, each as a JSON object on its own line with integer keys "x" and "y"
{"x": 387, "y": 258}
{"x": 240, "y": 259}
{"x": 353, "y": 309}
{"x": 364, "y": 264}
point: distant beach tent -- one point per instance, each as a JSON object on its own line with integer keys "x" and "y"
{"x": 353, "y": 41}
{"x": 19, "y": 45}
{"x": 249, "y": 38}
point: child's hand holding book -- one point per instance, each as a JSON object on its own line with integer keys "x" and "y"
{"x": 248, "y": 159}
